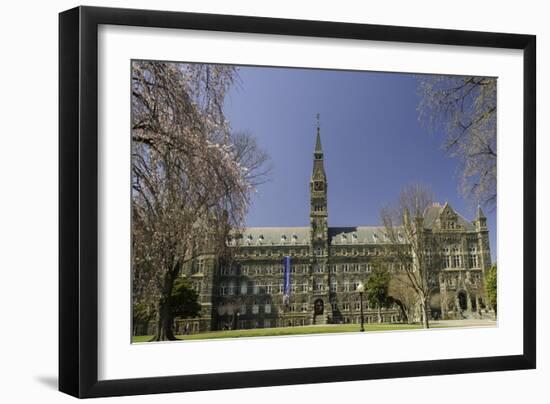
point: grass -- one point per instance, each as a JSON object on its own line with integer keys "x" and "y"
{"x": 281, "y": 331}
{"x": 317, "y": 329}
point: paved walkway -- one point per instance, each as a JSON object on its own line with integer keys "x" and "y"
{"x": 465, "y": 323}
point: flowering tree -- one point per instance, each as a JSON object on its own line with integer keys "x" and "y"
{"x": 465, "y": 108}
{"x": 191, "y": 178}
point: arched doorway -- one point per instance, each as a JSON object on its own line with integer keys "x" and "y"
{"x": 318, "y": 307}
{"x": 462, "y": 300}
{"x": 318, "y": 312}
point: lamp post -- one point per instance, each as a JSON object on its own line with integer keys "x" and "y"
{"x": 361, "y": 289}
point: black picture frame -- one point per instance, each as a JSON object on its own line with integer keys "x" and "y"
{"x": 78, "y": 201}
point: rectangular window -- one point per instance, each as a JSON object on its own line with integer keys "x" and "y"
{"x": 267, "y": 308}
{"x": 456, "y": 261}
{"x": 255, "y": 309}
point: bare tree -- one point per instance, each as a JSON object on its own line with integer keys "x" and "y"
{"x": 466, "y": 109}
{"x": 411, "y": 246}
{"x": 402, "y": 293}
{"x": 191, "y": 179}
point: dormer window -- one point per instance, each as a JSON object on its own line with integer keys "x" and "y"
{"x": 294, "y": 238}
{"x": 283, "y": 239}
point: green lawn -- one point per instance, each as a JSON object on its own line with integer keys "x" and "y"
{"x": 322, "y": 329}
{"x": 310, "y": 329}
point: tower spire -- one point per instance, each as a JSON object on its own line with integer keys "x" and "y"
{"x": 318, "y": 147}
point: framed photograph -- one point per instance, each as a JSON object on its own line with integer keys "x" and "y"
{"x": 251, "y": 201}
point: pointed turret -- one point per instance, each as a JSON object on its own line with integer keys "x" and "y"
{"x": 481, "y": 220}
{"x": 480, "y": 214}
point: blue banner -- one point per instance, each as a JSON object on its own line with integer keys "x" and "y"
{"x": 286, "y": 279}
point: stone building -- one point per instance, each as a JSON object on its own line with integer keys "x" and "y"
{"x": 327, "y": 264}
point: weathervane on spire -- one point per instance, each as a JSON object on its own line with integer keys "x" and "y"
{"x": 318, "y": 121}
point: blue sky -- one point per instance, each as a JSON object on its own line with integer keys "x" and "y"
{"x": 373, "y": 142}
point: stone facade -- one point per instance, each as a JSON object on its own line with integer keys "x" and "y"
{"x": 327, "y": 265}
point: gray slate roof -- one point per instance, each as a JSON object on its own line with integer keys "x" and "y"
{"x": 288, "y": 236}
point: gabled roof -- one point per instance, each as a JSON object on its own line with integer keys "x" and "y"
{"x": 433, "y": 212}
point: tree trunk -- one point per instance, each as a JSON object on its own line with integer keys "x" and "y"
{"x": 165, "y": 330}
{"x": 403, "y": 311}
{"x": 425, "y": 308}
{"x": 379, "y": 314}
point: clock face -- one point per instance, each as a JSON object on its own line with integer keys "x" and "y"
{"x": 318, "y": 186}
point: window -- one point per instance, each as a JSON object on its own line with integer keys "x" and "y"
{"x": 231, "y": 289}
{"x": 473, "y": 261}
{"x": 357, "y": 305}
{"x": 255, "y": 308}
{"x": 369, "y": 267}
{"x": 255, "y": 288}
{"x": 345, "y": 267}
{"x": 304, "y": 287}
{"x": 346, "y": 286}
{"x": 242, "y": 309}
{"x": 304, "y": 307}
{"x": 200, "y": 266}
{"x": 345, "y": 306}
{"x": 269, "y": 288}
{"x": 318, "y": 251}
{"x": 456, "y": 261}
{"x": 223, "y": 289}
{"x": 334, "y": 306}
{"x": 333, "y": 286}
{"x": 267, "y": 308}
{"x": 319, "y": 285}
{"x": 197, "y": 287}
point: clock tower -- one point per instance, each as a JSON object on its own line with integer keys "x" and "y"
{"x": 319, "y": 275}
{"x": 318, "y": 201}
